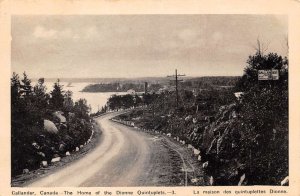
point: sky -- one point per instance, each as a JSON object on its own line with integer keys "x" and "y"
{"x": 108, "y": 46}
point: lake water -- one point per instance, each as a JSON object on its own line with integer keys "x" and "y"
{"x": 95, "y": 100}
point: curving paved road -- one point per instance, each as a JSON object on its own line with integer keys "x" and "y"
{"x": 123, "y": 157}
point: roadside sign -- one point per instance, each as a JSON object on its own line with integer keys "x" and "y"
{"x": 275, "y": 74}
{"x": 264, "y": 75}
{"x": 268, "y": 74}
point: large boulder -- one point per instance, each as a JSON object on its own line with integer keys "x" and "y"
{"x": 50, "y": 127}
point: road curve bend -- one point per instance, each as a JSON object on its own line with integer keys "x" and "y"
{"x": 123, "y": 157}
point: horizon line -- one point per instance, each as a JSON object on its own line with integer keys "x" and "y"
{"x": 134, "y": 77}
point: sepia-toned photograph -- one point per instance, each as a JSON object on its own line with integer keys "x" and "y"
{"x": 149, "y": 100}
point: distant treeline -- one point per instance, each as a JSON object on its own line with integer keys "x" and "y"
{"x": 108, "y": 80}
{"x": 117, "y": 87}
{"x": 211, "y": 81}
{"x": 188, "y": 83}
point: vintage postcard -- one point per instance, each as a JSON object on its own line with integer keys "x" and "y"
{"x": 150, "y": 98}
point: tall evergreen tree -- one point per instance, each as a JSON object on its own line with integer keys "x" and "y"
{"x": 57, "y": 97}
{"x": 27, "y": 111}
{"x": 26, "y": 88}
{"x": 41, "y": 98}
{"x": 15, "y": 89}
{"x": 68, "y": 102}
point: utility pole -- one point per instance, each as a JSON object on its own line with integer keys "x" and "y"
{"x": 176, "y": 84}
{"x": 146, "y": 87}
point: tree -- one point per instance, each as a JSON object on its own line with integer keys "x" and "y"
{"x": 25, "y": 87}
{"x": 260, "y": 61}
{"x": 25, "y": 121}
{"x": 15, "y": 101}
{"x": 28, "y": 111}
{"x": 41, "y": 98}
{"x": 68, "y": 102}
{"x": 57, "y": 97}
{"x": 264, "y": 114}
{"x": 127, "y": 101}
{"x": 114, "y": 102}
{"x": 15, "y": 94}
{"x": 81, "y": 109}
{"x": 149, "y": 98}
{"x": 137, "y": 100}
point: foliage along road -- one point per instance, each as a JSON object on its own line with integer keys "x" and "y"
{"x": 125, "y": 157}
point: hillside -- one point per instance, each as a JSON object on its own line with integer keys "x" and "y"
{"x": 242, "y": 140}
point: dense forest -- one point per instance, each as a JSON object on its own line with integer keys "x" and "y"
{"x": 44, "y": 125}
{"x": 242, "y": 139}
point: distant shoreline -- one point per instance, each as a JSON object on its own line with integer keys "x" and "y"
{"x": 108, "y": 80}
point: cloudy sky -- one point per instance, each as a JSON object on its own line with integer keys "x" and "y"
{"x": 141, "y": 45}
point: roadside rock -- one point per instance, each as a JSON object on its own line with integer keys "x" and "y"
{"x": 44, "y": 164}
{"x": 57, "y": 159}
{"x": 196, "y": 152}
{"x": 190, "y": 146}
{"x": 285, "y": 181}
{"x": 62, "y": 148}
{"x": 41, "y": 154}
{"x": 25, "y": 171}
{"x": 242, "y": 179}
{"x": 199, "y": 158}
